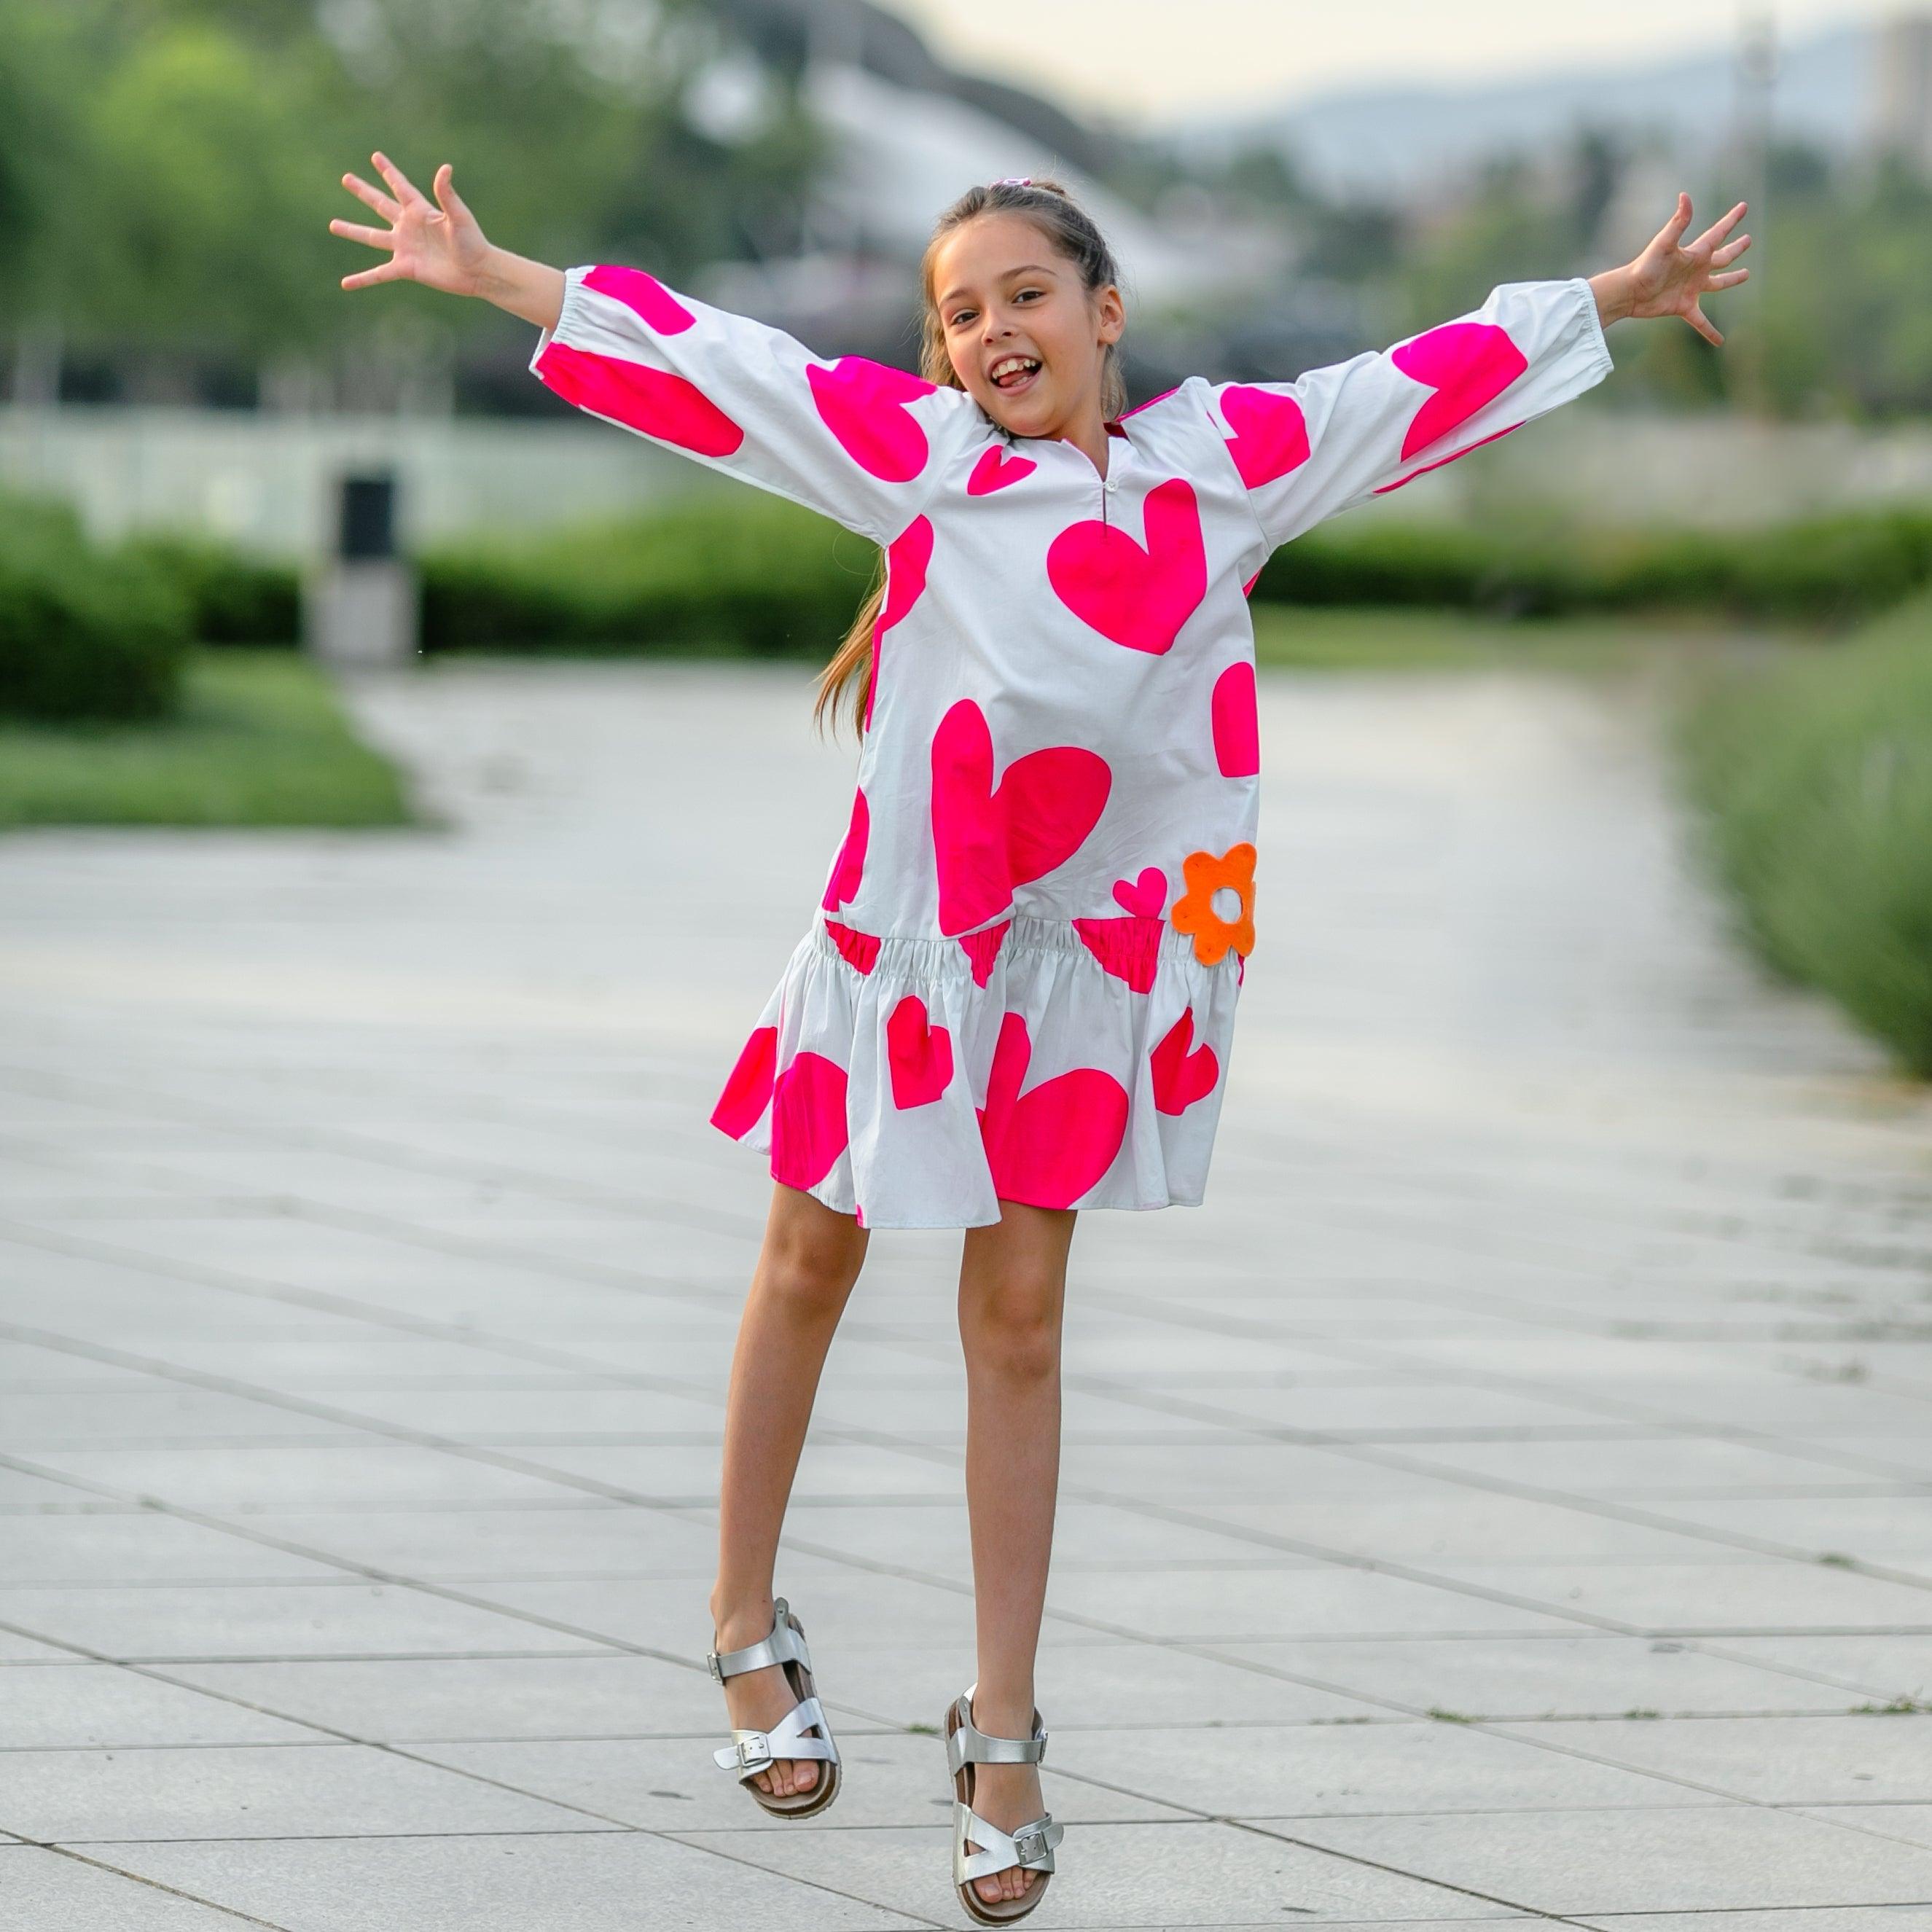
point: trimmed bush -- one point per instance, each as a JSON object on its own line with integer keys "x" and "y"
{"x": 758, "y": 577}
{"x": 84, "y": 632}
{"x": 1815, "y": 783}
{"x": 232, "y": 598}
{"x": 1841, "y": 567}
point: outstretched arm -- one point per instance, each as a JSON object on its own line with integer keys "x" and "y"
{"x": 1335, "y": 436}
{"x": 851, "y": 439}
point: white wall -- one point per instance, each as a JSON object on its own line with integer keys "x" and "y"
{"x": 268, "y": 481}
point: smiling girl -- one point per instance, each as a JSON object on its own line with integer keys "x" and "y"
{"x": 1016, "y": 997}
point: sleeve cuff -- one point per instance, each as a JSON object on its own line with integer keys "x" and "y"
{"x": 566, "y": 314}
{"x": 1593, "y": 326}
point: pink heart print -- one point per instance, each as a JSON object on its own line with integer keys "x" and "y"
{"x": 996, "y": 470}
{"x": 863, "y": 403}
{"x": 1237, "y": 728}
{"x": 982, "y": 948}
{"x": 653, "y": 402}
{"x": 849, "y": 867}
{"x": 808, "y": 1126}
{"x": 1181, "y": 1078}
{"x": 908, "y": 557}
{"x": 1147, "y": 895}
{"x": 1048, "y": 1147}
{"x": 859, "y": 950}
{"x": 644, "y": 296}
{"x": 1454, "y": 456}
{"x": 919, "y": 1054}
{"x": 1468, "y": 363}
{"x": 988, "y": 839}
{"x": 1270, "y": 435}
{"x": 1138, "y": 597}
{"x": 747, "y": 1087}
{"x": 1128, "y": 948}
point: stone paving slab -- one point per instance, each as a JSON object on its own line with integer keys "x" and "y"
{"x": 1142, "y": 1875}
{"x": 68, "y": 1891}
{"x": 1713, "y": 1858}
{"x": 1551, "y": 1351}
{"x": 315, "y": 1789}
{"x": 607, "y": 1881}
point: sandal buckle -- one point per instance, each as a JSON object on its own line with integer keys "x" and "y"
{"x": 1030, "y": 1842}
{"x": 754, "y": 1752}
{"x": 711, "y": 1664}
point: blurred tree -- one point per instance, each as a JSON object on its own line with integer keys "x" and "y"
{"x": 215, "y": 155}
{"x": 46, "y": 167}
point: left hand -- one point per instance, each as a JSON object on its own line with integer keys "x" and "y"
{"x": 1667, "y": 280}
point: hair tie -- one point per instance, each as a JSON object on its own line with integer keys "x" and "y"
{"x": 1014, "y": 180}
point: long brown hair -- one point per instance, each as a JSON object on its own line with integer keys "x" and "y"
{"x": 1070, "y": 230}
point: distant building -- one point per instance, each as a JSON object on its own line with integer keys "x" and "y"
{"x": 1902, "y": 90}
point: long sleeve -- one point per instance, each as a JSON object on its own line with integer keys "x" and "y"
{"x": 1337, "y": 436}
{"x": 852, "y": 438}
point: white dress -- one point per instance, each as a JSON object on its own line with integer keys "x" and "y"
{"x": 1021, "y": 979}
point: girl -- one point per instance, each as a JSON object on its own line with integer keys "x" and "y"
{"x": 1017, "y": 997}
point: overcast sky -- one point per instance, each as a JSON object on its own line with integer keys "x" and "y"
{"x": 1163, "y": 57}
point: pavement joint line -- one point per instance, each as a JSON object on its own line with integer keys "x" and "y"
{"x": 1144, "y": 1507}
{"x": 1126, "y": 1633}
{"x": 377, "y": 1316}
{"x": 63, "y": 1851}
{"x": 340, "y": 1736}
{"x": 1798, "y": 1448}
{"x": 520, "y": 1182}
{"x": 616, "y": 1493}
{"x": 726, "y": 1223}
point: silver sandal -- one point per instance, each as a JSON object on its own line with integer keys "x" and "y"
{"x": 750, "y": 1752}
{"x": 1030, "y": 1847}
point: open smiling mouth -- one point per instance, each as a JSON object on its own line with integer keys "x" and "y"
{"x": 1013, "y": 373}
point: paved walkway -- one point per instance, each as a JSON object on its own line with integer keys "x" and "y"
{"x": 1509, "y": 1498}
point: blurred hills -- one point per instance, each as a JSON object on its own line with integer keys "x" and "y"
{"x": 1395, "y": 143}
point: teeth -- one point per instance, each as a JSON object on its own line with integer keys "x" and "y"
{"x": 1008, "y": 363}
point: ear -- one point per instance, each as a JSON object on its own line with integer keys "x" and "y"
{"x": 1111, "y": 313}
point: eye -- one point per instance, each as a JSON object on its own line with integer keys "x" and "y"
{"x": 958, "y": 316}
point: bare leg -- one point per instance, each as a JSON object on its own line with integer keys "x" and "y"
{"x": 805, "y": 1270}
{"x": 1012, "y": 1288}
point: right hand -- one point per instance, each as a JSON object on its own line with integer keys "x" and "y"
{"x": 436, "y": 243}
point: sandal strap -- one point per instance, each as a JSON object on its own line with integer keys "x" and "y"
{"x": 967, "y": 1743}
{"x": 783, "y": 1645}
{"x": 1030, "y": 1846}
{"x": 750, "y": 1752}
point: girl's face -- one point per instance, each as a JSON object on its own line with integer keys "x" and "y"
{"x": 1026, "y": 337}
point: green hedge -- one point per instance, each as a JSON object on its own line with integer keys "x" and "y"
{"x": 755, "y": 577}
{"x": 84, "y": 632}
{"x": 740, "y": 573}
{"x": 1815, "y": 785}
{"x": 231, "y": 597}
{"x": 1842, "y": 567}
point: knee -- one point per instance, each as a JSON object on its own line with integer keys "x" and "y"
{"x": 1012, "y": 1331}
{"x": 808, "y": 1279}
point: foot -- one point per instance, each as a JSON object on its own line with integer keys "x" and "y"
{"x": 1008, "y": 1795}
{"x": 757, "y": 1699}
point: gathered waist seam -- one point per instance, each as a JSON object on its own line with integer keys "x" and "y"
{"x": 1025, "y": 933}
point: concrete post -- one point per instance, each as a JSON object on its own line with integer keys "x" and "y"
{"x": 361, "y": 607}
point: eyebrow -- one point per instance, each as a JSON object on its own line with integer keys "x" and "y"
{"x": 1025, "y": 268}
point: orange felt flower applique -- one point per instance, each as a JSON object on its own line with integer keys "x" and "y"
{"x": 1194, "y": 911}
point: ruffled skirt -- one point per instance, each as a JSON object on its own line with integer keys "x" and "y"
{"x": 917, "y": 1082}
